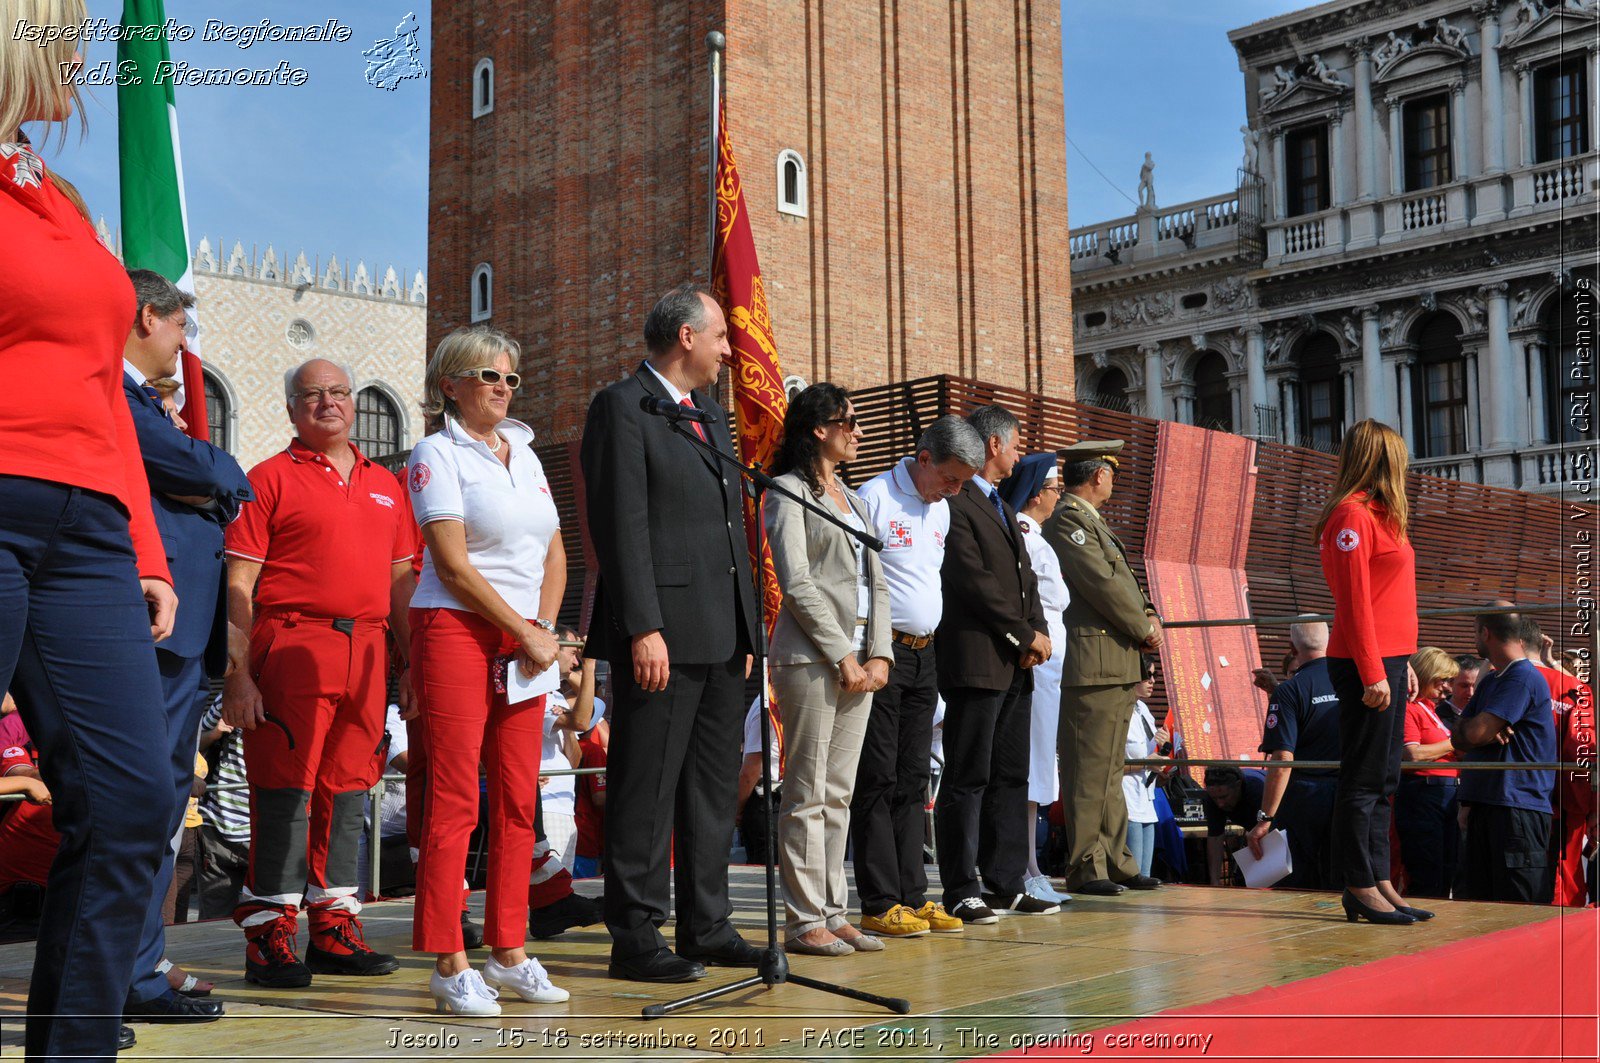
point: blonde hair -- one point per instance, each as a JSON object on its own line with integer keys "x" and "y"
{"x": 465, "y": 349}
{"x": 1431, "y": 665}
{"x": 1372, "y": 459}
{"x": 30, "y": 71}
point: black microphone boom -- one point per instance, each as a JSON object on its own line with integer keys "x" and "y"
{"x": 673, "y": 411}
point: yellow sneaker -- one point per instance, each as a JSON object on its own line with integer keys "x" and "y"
{"x": 938, "y": 920}
{"x": 897, "y": 922}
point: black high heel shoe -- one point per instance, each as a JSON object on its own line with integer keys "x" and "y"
{"x": 1421, "y": 915}
{"x": 1354, "y": 910}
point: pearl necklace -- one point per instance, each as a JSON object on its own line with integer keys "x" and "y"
{"x": 494, "y": 448}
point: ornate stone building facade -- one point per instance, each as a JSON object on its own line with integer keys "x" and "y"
{"x": 261, "y": 316}
{"x": 1413, "y": 238}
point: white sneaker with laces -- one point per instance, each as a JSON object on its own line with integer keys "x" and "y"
{"x": 463, "y": 993}
{"x": 528, "y": 980}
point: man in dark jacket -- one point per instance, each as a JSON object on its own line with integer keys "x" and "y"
{"x": 991, "y": 633}
{"x": 1109, "y": 624}
{"x": 195, "y": 490}
{"x": 675, "y": 615}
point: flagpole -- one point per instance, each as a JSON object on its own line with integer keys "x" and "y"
{"x": 715, "y": 44}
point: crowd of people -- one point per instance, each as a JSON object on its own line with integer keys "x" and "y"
{"x": 320, "y": 581}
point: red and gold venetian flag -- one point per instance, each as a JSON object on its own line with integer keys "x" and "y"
{"x": 758, "y": 399}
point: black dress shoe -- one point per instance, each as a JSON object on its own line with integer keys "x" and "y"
{"x": 1421, "y": 915}
{"x": 1354, "y": 910}
{"x": 172, "y": 1006}
{"x": 662, "y": 965}
{"x": 1097, "y": 887}
{"x": 471, "y": 933}
{"x": 737, "y": 953}
{"x": 125, "y": 1038}
{"x": 1141, "y": 882}
{"x": 572, "y": 910}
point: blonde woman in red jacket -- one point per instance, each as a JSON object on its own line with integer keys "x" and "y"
{"x": 84, "y": 586}
{"x": 1371, "y": 569}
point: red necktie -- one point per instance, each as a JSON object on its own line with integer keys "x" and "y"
{"x": 699, "y": 430}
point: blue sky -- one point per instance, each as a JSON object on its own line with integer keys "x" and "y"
{"x": 338, "y": 166}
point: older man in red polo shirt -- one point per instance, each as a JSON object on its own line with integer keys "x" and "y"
{"x": 319, "y": 567}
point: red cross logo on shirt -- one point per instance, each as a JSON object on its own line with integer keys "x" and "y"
{"x": 1347, "y": 540}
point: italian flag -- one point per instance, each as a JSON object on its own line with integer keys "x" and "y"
{"x": 155, "y": 219}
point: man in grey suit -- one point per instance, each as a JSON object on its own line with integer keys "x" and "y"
{"x": 675, "y": 614}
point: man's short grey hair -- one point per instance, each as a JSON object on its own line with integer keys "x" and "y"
{"x": 159, "y": 294}
{"x": 679, "y": 307}
{"x": 1310, "y": 636}
{"x": 952, "y": 437}
{"x": 292, "y": 377}
{"x": 992, "y": 421}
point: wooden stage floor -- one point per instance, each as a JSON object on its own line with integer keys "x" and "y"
{"x": 1098, "y": 963}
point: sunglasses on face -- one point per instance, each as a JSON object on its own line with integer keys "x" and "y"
{"x": 493, "y": 377}
{"x": 850, "y": 423}
{"x": 313, "y": 396}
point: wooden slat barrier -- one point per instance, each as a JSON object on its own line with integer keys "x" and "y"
{"x": 1473, "y": 543}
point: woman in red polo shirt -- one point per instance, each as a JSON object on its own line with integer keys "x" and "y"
{"x": 1371, "y": 570}
{"x": 1425, "y": 806}
{"x": 84, "y": 586}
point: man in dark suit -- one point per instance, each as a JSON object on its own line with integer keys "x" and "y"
{"x": 992, "y": 632}
{"x": 195, "y": 489}
{"x": 675, "y": 615}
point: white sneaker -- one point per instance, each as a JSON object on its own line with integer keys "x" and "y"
{"x": 463, "y": 994}
{"x": 527, "y": 980}
{"x": 1039, "y": 886}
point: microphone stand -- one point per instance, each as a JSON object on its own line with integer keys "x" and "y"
{"x": 774, "y": 966}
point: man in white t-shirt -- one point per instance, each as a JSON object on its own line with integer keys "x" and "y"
{"x": 887, "y": 823}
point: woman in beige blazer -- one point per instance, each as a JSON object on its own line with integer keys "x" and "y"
{"x": 830, "y": 650}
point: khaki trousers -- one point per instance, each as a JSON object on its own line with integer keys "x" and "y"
{"x": 822, "y": 736}
{"x": 1093, "y": 738}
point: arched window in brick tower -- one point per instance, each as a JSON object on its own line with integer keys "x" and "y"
{"x": 377, "y": 427}
{"x": 482, "y": 292}
{"x": 792, "y": 193}
{"x": 483, "y": 87}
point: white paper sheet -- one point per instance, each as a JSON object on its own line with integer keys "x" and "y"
{"x": 1274, "y": 864}
{"x": 520, "y": 687}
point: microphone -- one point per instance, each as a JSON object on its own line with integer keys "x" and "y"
{"x": 674, "y": 411}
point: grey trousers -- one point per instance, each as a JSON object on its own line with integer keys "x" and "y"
{"x": 822, "y": 736}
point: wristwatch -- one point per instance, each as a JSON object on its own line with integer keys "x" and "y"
{"x": 545, "y": 625}
{"x": 1262, "y": 817}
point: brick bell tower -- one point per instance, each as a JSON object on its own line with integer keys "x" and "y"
{"x": 904, "y": 164}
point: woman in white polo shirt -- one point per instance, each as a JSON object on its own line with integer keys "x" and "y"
{"x": 492, "y": 579}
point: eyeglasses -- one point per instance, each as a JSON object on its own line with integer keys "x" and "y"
{"x": 492, "y": 377}
{"x": 852, "y": 422}
{"x": 313, "y": 396}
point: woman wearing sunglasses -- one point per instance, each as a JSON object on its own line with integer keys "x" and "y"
{"x": 830, "y": 650}
{"x": 493, "y": 574}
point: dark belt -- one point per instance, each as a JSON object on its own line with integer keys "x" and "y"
{"x": 346, "y": 625}
{"x": 1434, "y": 780}
{"x": 915, "y": 642}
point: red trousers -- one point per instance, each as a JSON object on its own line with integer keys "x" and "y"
{"x": 310, "y": 764}
{"x": 549, "y": 883}
{"x": 465, "y": 720}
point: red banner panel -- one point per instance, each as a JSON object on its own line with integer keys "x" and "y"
{"x": 1195, "y": 545}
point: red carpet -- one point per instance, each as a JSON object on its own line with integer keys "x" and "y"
{"x": 1525, "y": 993}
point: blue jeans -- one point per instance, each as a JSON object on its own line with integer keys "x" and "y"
{"x": 75, "y": 650}
{"x": 1142, "y": 844}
